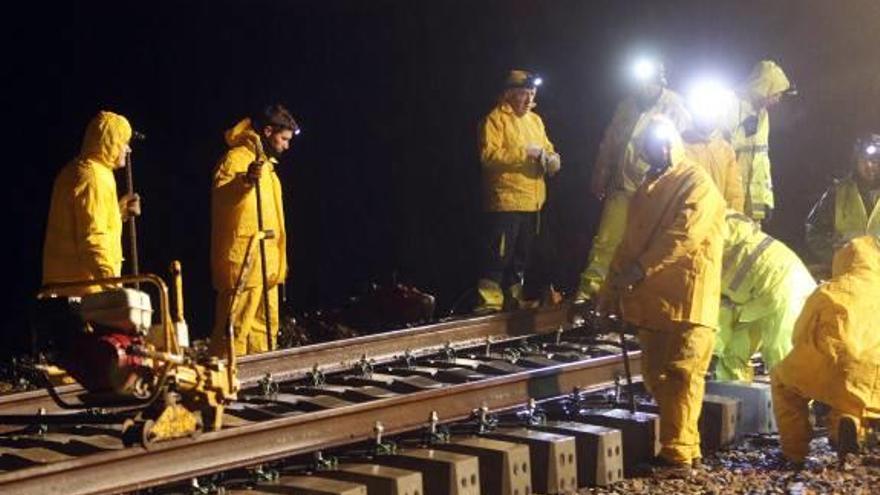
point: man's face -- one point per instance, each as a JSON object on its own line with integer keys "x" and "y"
{"x": 648, "y": 90}
{"x": 123, "y": 154}
{"x": 869, "y": 170}
{"x": 520, "y": 99}
{"x": 770, "y": 101}
{"x": 278, "y": 140}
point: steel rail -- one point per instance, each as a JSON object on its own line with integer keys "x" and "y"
{"x": 139, "y": 468}
{"x": 295, "y": 362}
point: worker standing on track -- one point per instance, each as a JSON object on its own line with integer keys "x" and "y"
{"x": 666, "y": 282}
{"x": 618, "y": 171}
{"x": 84, "y": 230}
{"x": 763, "y": 285}
{"x": 255, "y": 147}
{"x": 850, "y": 207}
{"x": 515, "y": 154}
{"x": 749, "y": 128}
{"x": 836, "y": 355}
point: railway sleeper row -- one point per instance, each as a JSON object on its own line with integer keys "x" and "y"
{"x": 555, "y": 446}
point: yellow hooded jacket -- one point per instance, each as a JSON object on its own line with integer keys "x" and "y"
{"x": 835, "y": 357}
{"x": 234, "y": 213}
{"x": 675, "y": 233}
{"x": 512, "y": 182}
{"x": 84, "y": 230}
{"x": 749, "y": 128}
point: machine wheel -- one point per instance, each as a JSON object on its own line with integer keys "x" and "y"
{"x": 137, "y": 432}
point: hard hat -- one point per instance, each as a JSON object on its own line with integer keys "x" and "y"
{"x": 522, "y": 79}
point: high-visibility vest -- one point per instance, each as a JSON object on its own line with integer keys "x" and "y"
{"x": 851, "y": 216}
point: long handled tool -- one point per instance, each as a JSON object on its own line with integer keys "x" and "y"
{"x": 132, "y": 225}
{"x": 263, "y": 269}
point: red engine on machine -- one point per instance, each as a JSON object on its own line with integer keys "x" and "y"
{"x": 106, "y": 363}
{"x": 96, "y": 340}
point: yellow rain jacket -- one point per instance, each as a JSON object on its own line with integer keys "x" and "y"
{"x": 852, "y": 217}
{"x": 717, "y": 157}
{"x": 750, "y": 136}
{"x": 765, "y": 285}
{"x": 84, "y": 230}
{"x": 511, "y": 182}
{"x": 836, "y": 353}
{"x": 675, "y": 233}
{"x": 234, "y": 213}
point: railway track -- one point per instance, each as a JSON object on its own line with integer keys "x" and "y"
{"x": 325, "y": 396}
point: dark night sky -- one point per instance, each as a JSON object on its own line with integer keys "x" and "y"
{"x": 389, "y": 93}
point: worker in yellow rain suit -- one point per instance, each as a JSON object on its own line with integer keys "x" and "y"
{"x": 749, "y": 126}
{"x": 618, "y": 171}
{"x": 836, "y": 355}
{"x": 705, "y": 145}
{"x": 255, "y": 146}
{"x": 763, "y": 285}
{"x": 516, "y": 155}
{"x": 666, "y": 281}
{"x": 84, "y": 230}
{"x": 850, "y": 207}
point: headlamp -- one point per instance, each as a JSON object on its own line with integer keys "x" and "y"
{"x": 710, "y": 99}
{"x": 663, "y": 132}
{"x": 644, "y": 70}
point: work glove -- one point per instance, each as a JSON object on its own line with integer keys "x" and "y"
{"x": 551, "y": 162}
{"x": 628, "y": 278}
{"x": 534, "y": 152}
{"x": 130, "y": 206}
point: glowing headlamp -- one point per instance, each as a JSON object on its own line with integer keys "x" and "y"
{"x": 709, "y": 99}
{"x": 536, "y": 81}
{"x": 645, "y": 69}
{"x": 871, "y": 150}
{"x": 663, "y": 132}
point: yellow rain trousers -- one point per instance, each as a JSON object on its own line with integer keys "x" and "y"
{"x": 84, "y": 230}
{"x": 674, "y": 233}
{"x": 513, "y": 185}
{"x": 749, "y": 128}
{"x": 765, "y": 286}
{"x": 233, "y": 223}
{"x": 836, "y": 354}
{"x": 619, "y": 172}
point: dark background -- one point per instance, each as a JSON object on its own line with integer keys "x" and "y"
{"x": 384, "y": 177}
